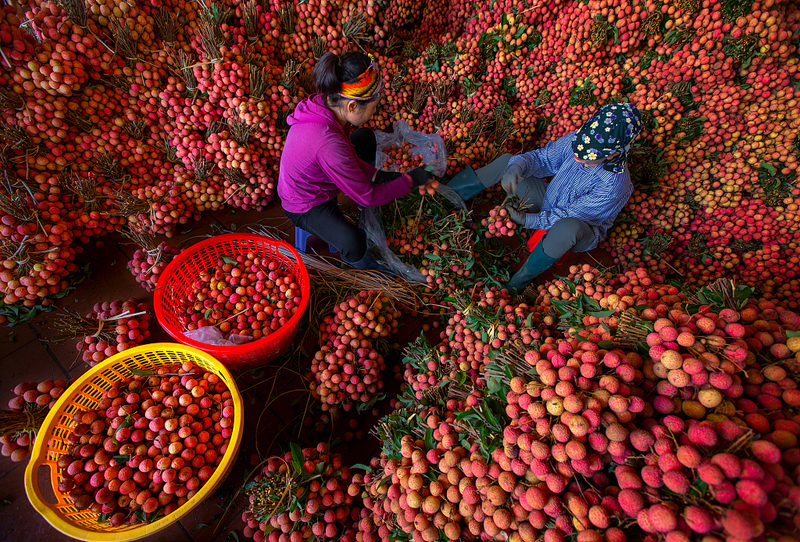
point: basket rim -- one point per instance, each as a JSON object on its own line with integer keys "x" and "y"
{"x": 41, "y": 448}
{"x": 158, "y": 298}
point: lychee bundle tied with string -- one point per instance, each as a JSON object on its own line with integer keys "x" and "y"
{"x": 150, "y": 258}
{"x": 148, "y": 263}
{"x": 303, "y": 495}
{"x": 110, "y": 328}
{"x": 423, "y": 368}
{"x": 26, "y": 412}
{"x": 347, "y": 368}
{"x": 498, "y": 223}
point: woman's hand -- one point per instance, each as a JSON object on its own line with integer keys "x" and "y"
{"x": 383, "y": 177}
{"x": 419, "y": 176}
{"x": 517, "y": 217}
{"x": 511, "y": 178}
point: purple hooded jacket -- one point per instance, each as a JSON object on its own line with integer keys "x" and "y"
{"x": 318, "y": 162}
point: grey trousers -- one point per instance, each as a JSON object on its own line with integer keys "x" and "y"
{"x": 566, "y": 234}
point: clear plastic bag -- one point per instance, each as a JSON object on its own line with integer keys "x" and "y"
{"x": 429, "y": 146}
{"x": 451, "y": 196}
{"x": 371, "y": 222}
{"x": 213, "y": 336}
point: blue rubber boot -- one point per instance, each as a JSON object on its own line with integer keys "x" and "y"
{"x": 466, "y": 184}
{"x": 536, "y": 264}
{"x": 469, "y": 183}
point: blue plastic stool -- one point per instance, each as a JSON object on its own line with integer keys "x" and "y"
{"x": 301, "y": 239}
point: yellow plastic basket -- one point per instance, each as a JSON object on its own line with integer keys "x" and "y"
{"x": 86, "y": 393}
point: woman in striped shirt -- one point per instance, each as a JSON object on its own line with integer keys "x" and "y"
{"x": 591, "y": 184}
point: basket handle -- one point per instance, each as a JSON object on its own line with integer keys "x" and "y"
{"x": 32, "y": 490}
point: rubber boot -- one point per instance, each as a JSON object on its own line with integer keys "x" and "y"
{"x": 367, "y": 262}
{"x": 536, "y": 264}
{"x": 468, "y": 183}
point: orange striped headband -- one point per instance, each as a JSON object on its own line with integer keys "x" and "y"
{"x": 366, "y": 86}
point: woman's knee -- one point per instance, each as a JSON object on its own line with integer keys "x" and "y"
{"x": 352, "y": 248}
{"x": 568, "y": 234}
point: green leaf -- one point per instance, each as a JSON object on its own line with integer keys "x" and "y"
{"x": 699, "y": 487}
{"x": 361, "y": 466}
{"x": 769, "y": 167}
{"x": 228, "y": 259}
{"x": 792, "y": 334}
{"x": 601, "y": 314}
{"x": 12, "y": 337}
{"x": 493, "y": 385}
{"x": 590, "y": 303}
{"x": 199, "y": 526}
{"x": 122, "y": 458}
{"x": 139, "y": 372}
{"x": 491, "y": 417}
{"x": 297, "y": 455}
{"x": 102, "y": 518}
{"x": 431, "y": 256}
{"x": 529, "y": 321}
{"x": 606, "y": 344}
{"x": 430, "y": 442}
{"x": 207, "y": 313}
{"x": 571, "y": 286}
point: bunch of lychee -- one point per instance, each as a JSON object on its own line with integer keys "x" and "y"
{"x": 347, "y": 368}
{"x": 303, "y": 495}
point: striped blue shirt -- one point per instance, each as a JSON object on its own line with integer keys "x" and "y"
{"x": 591, "y": 194}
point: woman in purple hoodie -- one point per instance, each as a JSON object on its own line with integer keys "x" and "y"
{"x": 322, "y": 159}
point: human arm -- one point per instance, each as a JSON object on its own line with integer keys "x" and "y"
{"x": 598, "y": 202}
{"x": 355, "y": 177}
{"x": 546, "y": 161}
{"x": 417, "y": 176}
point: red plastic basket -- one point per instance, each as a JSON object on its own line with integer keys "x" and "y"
{"x": 176, "y": 282}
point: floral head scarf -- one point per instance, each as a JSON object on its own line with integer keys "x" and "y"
{"x": 612, "y": 128}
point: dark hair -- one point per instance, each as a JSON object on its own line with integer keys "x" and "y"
{"x": 332, "y": 70}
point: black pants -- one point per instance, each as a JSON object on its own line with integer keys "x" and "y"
{"x": 327, "y": 222}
